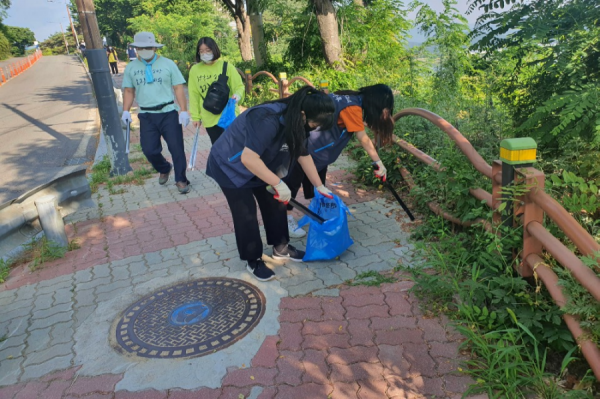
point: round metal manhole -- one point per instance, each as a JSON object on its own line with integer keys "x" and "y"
{"x": 190, "y": 319}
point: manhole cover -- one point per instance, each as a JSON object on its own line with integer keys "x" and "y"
{"x": 191, "y": 319}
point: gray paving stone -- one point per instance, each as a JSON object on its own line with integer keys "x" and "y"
{"x": 17, "y": 313}
{"x": 18, "y": 326}
{"x": 47, "y": 354}
{"x": 54, "y": 364}
{"x": 42, "y": 314}
{"x": 17, "y": 304}
{"x": 328, "y": 277}
{"x": 120, "y": 273}
{"x": 82, "y": 313}
{"x": 8, "y": 295}
{"x": 112, "y": 286}
{"x": 43, "y": 301}
{"x": 83, "y": 276}
{"x": 92, "y": 284}
{"x": 12, "y": 352}
{"x": 137, "y": 268}
{"x": 105, "y": 296}
{"x": 62, "y": 333}
{"x": 217, "y": 243}
{"x": 49, "y": 321}
{"x": 169, "y": 253}
{"x": 101, "y": 271}
{"x": 305, "y": 288}
{"x": 60, "y": 281}
{"x": 127, "y": 261}
{"x": 343, "y": 271}
{"x": 64, "y": 295}
{"x": 10, "y": 369}
{"x": 85, "y": 297}
{"x": 153, "y": 258}
{"x": 25, "y": 292}
{"x": 38, "y": 339}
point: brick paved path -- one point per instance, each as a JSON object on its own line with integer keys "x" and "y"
{"x": 317, "y": 339}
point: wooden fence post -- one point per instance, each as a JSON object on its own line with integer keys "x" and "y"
{"x": 284, "y": 90}
{"x": 248, "y": 82}
{"x": 534, "y": 180}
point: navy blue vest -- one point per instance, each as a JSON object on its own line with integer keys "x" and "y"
{"x": 326, "y": 146}
{"x": 225, "y": 164}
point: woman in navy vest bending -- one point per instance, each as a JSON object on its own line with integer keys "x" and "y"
{"x": 370, "y": 106}
{"x": 257, "y": 150}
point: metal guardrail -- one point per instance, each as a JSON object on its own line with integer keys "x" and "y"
{"x": 72, "y": 192}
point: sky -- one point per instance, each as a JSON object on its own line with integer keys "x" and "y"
{"x": 44, "y": 17}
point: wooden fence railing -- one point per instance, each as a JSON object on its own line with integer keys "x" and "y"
{"x": 283, "y": 84}
{"x": 536, "y": 238}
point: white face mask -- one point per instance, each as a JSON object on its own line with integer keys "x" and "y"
{"x": 146, "y": 54}
{"x": 208, "y": 57}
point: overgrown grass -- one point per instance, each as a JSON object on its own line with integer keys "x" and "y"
{"x": 370, "y": 278}
{"x": 101, "y": 175}
{"x": 513, "y": 328}
{"x": 36, "y": 254}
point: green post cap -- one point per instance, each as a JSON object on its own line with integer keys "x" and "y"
{"x": 518, "y": 151}
{"x": 522, "y": 143}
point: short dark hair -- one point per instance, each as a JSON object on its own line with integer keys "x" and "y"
{"x": 211, "y": 44}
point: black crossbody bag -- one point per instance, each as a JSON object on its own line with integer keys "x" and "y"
{"x": 217, "y": 94}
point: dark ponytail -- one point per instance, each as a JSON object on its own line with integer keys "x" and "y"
{"x": 317, "y": 106}
{"x": 378, "y": 108}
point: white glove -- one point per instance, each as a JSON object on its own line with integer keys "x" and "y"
{"x": 283, "y": 193}
{"x": 126, "y": 117}
{"x": 325, "y": 191}
{"x": 184, "y": 118}
{"x": 380, "y": 170}
{"x": 236, "y": 98}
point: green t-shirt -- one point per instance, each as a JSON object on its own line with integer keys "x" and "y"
{"x": 166, "y": 75}
{"x": 201, "y": 77}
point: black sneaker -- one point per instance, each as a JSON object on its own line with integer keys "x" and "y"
{"x": 259, "y": 269}
{"x": 289, "y": 252}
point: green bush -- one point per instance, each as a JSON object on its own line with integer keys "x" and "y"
{"x": 4, "y": 47}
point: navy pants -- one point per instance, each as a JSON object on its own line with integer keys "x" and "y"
{"x": 242, "y": 204}
{"x": 297, "y": 178}
{"x": 165, "y": 124}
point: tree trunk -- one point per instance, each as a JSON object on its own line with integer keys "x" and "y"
{"x": 258, "y": 39}
{"x": 258, "y": 33}
{"x": 328, "y": 27}
{"x": 244, "y": 33}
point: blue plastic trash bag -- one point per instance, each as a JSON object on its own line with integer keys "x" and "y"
{"x": 228, "y": 114}
{"x": 328, "y": 240}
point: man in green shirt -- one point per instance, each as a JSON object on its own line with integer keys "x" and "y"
{"x": 155, "y": 81}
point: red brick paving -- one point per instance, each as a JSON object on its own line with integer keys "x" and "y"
{"x": 328, "y": 353}
{"x": 152, "y": 229}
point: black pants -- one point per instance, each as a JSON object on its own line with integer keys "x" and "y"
{"x": 165, "y": 124}
{"x": 297, "y": 178}
{"x": 245, "y": 220}
{"x": 113, "y": 67}
{"x": 214, "y": 132}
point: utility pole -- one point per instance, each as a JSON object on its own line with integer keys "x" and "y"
{"x": 103, "y": 87}
{"x": 64, "y": 37}
{"x": 72, "y": 26}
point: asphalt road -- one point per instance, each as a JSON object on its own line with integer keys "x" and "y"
{"x": 48, "y": 124}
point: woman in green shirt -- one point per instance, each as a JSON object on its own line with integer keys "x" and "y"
{"x": 207, "y": 70}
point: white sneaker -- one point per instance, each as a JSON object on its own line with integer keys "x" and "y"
{"x": 293, "y": 228}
